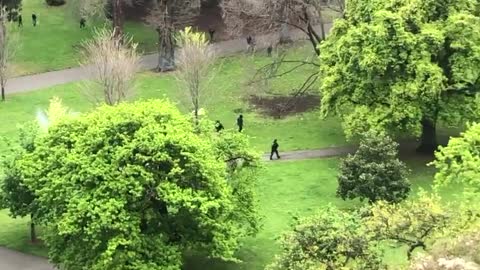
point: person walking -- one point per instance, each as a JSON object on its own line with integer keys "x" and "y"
{"x": 82, "y": 22}
{"x": 250, "y": 44}
{"x": 269, "y": 50}
{"x": 240, "y": 123}
{"x": 274, "y": 150}
{"x": 20, "y": 20}
{"x": 34, "y": 19}
{"x": 218, "y": 126}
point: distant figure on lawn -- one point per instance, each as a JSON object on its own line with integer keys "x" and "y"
{"x": 269, "y": 50}
{"x": 250, "y": 44}
{"x": 82, "y": 22}
{"x": 20, "y": 20}
{"x": 211, "y": 31}
{"x": 240, "y": 123}
{"x": 218, "y": 126}
{"x": 34, "y": 19}
{"x": 274, "y": 150}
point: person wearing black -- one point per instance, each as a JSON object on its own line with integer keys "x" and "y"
{"x": 34, "y": 19}
{"x": 274, "y": 149}
{"x": 20, "y": 20}
{"x": 211, "y": 31}
{"x": 240, "y": 123}
{"x": 82, "y": 23}
{"x": 218, "y": 126}
{"x": 269, "y": 50}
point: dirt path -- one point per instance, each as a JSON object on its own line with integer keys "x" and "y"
{"x": 148, "y": 62}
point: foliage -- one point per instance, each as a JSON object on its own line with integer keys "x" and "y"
{"x": 459, "y": 162}
{"x": 132, "y": 187}
{"x": 402, "y": 65}
{"x": 194, "y": 61}
{"x": 374, "y": 172}
{"x": 411, "y": 222}
{"x": 331, "y": 239}
{"x": 113, "y": 62}
{"x": 55, "y": 2}
{"x": 461, "y": 251}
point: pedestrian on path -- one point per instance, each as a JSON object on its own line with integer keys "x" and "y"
{"x": 240, "y": 123}
{"x": 20, "y": 20}
{"x": 250, "y": 44}
{"x": 34, "y": 19}
{"x": 269, "y": 50}
{"x": 274, "y": 150}
{"x": 218, "y": 126}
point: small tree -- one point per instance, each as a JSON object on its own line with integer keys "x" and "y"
{"x": 133, "y": 187}
{"x": 194, "y": 62}
{"x": 409, "y": 223}
{"x": 113, "y": 62}
{"x": 8, "y": 43}
{"x": 374, "y": 172}
{"x": 331, "y": 239}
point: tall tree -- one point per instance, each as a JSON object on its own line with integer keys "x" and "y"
{"x": 133, "y": 187}
{"x": 168, "y": 17}
{"x": 8, "y": 44}
{"x": 113, "y": 62}
{"x": 403, "y": 66}
{"x": 194, "y": 61}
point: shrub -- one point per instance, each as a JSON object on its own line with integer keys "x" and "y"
{"x": 55, "y": 2}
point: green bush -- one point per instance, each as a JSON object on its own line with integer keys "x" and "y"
{"x": 55, "y": 2}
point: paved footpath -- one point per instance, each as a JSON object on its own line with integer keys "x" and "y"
{"x": 148, "y": 62}
{"x": 14, "y": 260}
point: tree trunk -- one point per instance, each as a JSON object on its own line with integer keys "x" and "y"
{"x": 285, "y": 34}
{"x": 3, "y": 93}
{"x": 118, "y": 19}
{"x": 428, "y": 143}
{"x": 166, "y": 50}
{"x": 33, "y": 234}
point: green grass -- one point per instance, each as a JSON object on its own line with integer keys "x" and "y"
{"x": 226, "y": 99}
{"x": 285, "y": 190}
{"x": 54, "y": 43}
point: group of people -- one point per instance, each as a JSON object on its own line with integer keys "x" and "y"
{"x": 274, "y": 149}
{"x": 83, "y": 21}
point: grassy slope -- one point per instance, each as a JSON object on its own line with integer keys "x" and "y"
{"x": 285, "y": 189}
{"x": 53, "y": 44}
{"x": 227, "y": 97}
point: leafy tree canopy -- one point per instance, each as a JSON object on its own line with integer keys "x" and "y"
{"x": 133, "y": 186}
{"x": 331, "y": 239}
{"x": 402, "y": 65}
{"x": 374, "y": 172}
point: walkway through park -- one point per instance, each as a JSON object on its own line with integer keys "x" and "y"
{"x": 148, "y": 62}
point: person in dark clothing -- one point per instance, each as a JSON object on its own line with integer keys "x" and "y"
{"x": 82, "y": 22}
{"x": 240, "y": 123}
{"x": 20, "y": 20}
{"x": 269, "y": 50}
{"x": 274, "y": 149}
{"x": 34, "y": 19}
{"x": 218, "y": 126}
{"x": 211, "y": 31}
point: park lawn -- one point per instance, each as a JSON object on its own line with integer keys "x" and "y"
{"x": 285, "y": 190}
{"x": 54, "y": 43}
{"x": 227, "y": 99}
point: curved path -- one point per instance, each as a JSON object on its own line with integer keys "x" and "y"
{"x": 148, "y": 62}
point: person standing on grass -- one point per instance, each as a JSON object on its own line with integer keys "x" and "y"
{"x": 82, "y": 22}
{"x": 274, "y": 150}
{"x": 211, "y": 31}
{"x": 34, "y": 19}
{"x": 240, "y": 123}
{"x": 218, "y": 126}
{"x": 269, "y": 50}
{"x": 20, "y": 20}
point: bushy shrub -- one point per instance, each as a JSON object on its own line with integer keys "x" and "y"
{"x": 55, "y": 2}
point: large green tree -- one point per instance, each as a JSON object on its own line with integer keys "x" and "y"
{"x": 133, "y": 186}
{"x": 403, "y": 66}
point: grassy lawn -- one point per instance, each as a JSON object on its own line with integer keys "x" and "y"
{"x": 285, "y": 189}
{"x": 53, "y": 44}
{"x": 226, "y": 100}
